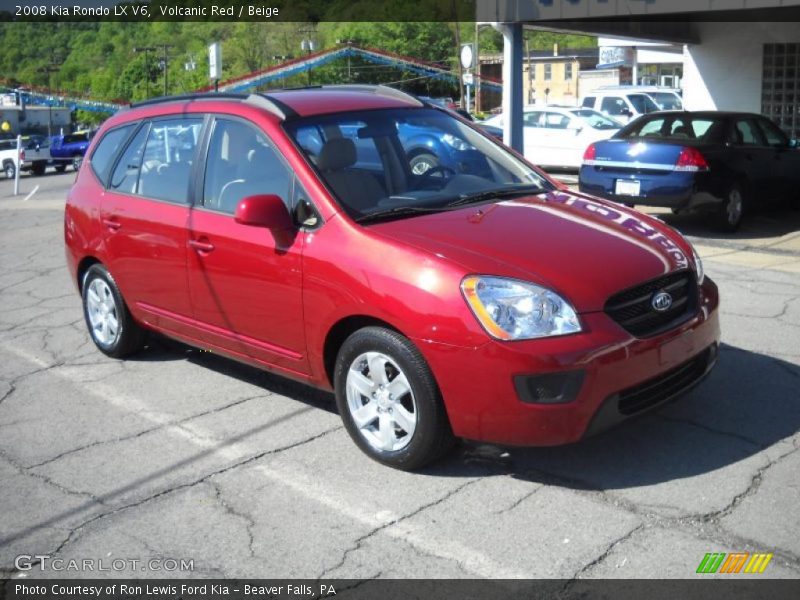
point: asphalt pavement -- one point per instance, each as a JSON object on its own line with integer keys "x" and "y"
{"x": 179, "y": 454}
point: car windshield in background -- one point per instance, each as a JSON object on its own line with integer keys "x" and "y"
{"x": 595, "y": 119}
{"x": 406, "y": 161}
{"x": 666, "y": 100}
{"x": 643, "y": 103}
{"x": 675, "y": 127}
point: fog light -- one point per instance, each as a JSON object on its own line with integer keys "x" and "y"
{"x": 551, "y": 388}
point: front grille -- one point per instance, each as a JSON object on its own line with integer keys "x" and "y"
{"x": 661, "y": 388}
{"x": 633, "y": 310}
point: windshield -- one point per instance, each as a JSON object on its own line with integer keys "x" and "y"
{"x": 643, "y": 103}
{"x": 402, "y": 161}
{"x": 666, "y": 100}
{"x": 596, "y": 120}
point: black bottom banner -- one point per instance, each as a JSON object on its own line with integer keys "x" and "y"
{"x": 391, "y": 589}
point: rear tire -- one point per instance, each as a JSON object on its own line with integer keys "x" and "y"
{"x": 60, "y": 168}
{"x": 729, "y": 216}
{"x": 108, "y": 319}
{"x": 39, "y": 168}
{"x": 76, "y": 162}
{"x": 9, "y": 170}
{"x": 389, "y": 401}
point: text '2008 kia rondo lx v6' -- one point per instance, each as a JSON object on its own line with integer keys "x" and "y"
{"x": 478, "y": 300}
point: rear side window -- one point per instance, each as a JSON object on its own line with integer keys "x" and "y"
{"x": 103, "y": 155}
{"x": 746, "y": 133}
{"x": 588, "y": 102}
{"x": 168, "y": 158}
{"x": 76, "y": 137}
{"x": 531, "y": 119}
{"x": 126, "y": 173}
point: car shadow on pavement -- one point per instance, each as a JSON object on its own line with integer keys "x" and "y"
{"x": 748, "y": 403}
{"x": 772, "y": 221}
{"x": 161, "y": 349}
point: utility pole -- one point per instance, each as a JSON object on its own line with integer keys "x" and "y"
{"x": 163, "y": 63}
{"x": 147, "y": 50}
{"x": 458, "y": 50}
{"x": 53, "y": 67}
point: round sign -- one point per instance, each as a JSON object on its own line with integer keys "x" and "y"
{"x": 6, "y": 126}
{"x": 466, "y": 56}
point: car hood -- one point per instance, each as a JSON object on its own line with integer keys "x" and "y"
{"x": 583, "y": 248}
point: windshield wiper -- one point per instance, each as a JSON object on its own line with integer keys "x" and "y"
{"x": 493, "y": 194}
{"x": 397, "y": 211}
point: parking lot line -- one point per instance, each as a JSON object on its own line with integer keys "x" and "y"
{"x": 393, "y": 525}
{"x": 33, "y": 191}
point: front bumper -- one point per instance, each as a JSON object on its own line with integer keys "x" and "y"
{"x": 482, "y": 402}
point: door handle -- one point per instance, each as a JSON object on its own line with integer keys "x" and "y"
{"x": 112, "y": 224}
{"x": 201, "y": 246}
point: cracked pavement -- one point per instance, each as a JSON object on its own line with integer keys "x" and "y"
{"x": 182, "y": 454}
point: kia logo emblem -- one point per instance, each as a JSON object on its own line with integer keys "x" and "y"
{"x": 661, "y": 301}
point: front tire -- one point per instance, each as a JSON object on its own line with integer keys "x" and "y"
{"x": 110, "y": 324}
{"x": 421, "y": 163}
{"x": 9, "y": 170}
{"x": 76, "y": 162}
{"x": 389, "y": 401}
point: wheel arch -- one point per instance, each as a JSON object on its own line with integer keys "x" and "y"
{"x": 85, "y": 263}
{"x": 343, "y": 329}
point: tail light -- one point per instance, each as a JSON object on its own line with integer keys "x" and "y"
{"x": 690, "y": 159}
{"x": 589, "y": 154}
{"x": 22, "y": 156}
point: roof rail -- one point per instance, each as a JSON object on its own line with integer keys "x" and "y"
{"x": 276, "y": 107}
{"x": 185, "y": 97}
{"x": 380, "y": 90}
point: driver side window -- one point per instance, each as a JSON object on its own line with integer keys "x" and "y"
{"x": 241, "y": 162}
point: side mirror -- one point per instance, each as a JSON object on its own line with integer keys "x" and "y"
{"x": 263, "y": 210}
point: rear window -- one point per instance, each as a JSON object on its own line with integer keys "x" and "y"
{"x": 106, "y": 150}
{"x": 675, "y": 128}
{"x": 596, "y": 120}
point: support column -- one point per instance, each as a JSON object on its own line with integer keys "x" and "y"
{"x": 512, "y": 84}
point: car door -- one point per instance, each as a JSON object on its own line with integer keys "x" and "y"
{"x": 532, "y": 137}
{"x": 245, "y": 284}
{"x": 754, "y": 158}
{"x": 144, "y": 213}
{"x": 785, "y": 160}
{"x": 559, "y": 141}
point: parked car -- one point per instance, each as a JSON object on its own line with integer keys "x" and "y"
{"x": 427, "y": 149}
{"x": 666, "y": 98}
{"x": 720, "y": 162}
{"x": 70, "y": 149}
{"x": 9, "y": 158}
{"x": 621, "y": 105}
{"x": 556, "y": 136}
{"x": 34, "y": 155}
{"x": 486, "y": 304}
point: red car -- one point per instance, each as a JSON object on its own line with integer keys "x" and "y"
{"x": 480, "y": 300}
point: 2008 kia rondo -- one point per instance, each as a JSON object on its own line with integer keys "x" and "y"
{"x": 478, "y": 300}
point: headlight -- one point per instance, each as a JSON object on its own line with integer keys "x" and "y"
{"x": 515, "y": 310}
{"x": 698, "y": 266}
{"x": 455, "y": 142}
